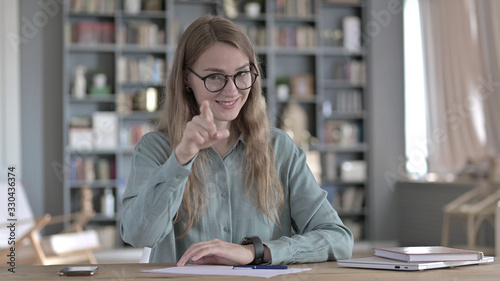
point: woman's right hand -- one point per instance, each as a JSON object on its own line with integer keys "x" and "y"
{"x": 200, "y": 133}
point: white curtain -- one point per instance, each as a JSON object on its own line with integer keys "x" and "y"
{"x": 459, "y": 104}
{"x": 489, "y": 26}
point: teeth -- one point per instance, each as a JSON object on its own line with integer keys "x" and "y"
{"x": 227, "y": 103}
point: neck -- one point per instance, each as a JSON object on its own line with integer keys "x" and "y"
{"x": 223, "y": 146}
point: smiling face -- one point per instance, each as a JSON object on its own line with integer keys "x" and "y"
{"x": 225, "y": 104}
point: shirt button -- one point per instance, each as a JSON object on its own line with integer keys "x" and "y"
{"x": 224, "y": 194}
{"x": 226, "y": 229}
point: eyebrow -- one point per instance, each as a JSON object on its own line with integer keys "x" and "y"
{"x": 215, "y": 69}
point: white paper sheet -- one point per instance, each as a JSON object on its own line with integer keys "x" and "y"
{"x": 226, "y": 270}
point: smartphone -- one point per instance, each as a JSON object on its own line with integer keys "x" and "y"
{"x": 78, "y": 271}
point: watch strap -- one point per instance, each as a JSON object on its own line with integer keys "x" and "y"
{"x": 258, "y": 248}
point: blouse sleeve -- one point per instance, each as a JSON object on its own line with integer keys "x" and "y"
{"x": 154, "y": 191}
{"x": 320, "y": 234}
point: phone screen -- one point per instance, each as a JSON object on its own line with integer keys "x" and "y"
{"x": 78, "y": 270}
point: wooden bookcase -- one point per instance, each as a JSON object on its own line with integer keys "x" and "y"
{"x": 298, "y": 41}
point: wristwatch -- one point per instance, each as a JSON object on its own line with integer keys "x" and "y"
{"x": 258, "y": 247}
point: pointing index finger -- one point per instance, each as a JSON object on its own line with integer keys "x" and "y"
{"x": 206, "y": 112}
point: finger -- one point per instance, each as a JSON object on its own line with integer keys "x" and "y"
{"x": 206, "y": 112}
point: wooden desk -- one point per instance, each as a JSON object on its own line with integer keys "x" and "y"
{"x": 320, "y": 271}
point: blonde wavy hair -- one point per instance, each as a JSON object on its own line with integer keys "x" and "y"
{"x": 262, "y": 183}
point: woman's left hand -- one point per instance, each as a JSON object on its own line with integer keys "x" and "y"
{"x": 215, "y": 251}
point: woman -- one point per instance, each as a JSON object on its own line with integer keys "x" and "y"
{"x": 216, "y": 184}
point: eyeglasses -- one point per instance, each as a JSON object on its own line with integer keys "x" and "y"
{"x": 215, "y": 82}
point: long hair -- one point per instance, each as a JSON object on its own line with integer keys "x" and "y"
{"x": 262, "y": 183}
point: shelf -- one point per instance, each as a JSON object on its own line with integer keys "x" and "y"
{"x": 143, "y": 49}
{"x": 96, "y": 48}
{"x": 140, "y": 115}
{"x": 341, "y": 84}
{"x": 94, "y": 99}
{"x": 291, "y": 51}
{"x": 295, "y": 19}
{"x": 143, "y": 15}
{"x": 342, "y": 183}
{"x": 91, "y": 151}
{"x": 339, "y": 51}
{"x": 362, "y": 147}
{"x": 104, "y": 15}
{"x": 346, "y": 116}
{"x": 93, "y": 184}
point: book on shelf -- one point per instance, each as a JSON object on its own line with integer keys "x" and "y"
{"x": 293, "y": 8}
{"x": 92, "y": 6}
{"x": 295, "y": 37}
{"x": 131, "y": 135}
{"x": 351, "y": 71}
{"x": 90, "y": 32}
{"x": 428, "y": 254}
{"x": 352, "y": 199}
{"x": 148, "y": 69}
{"x": 86, "y": 169}
{"x": 140, "y": 33}
{"x": 348, "y": 101}
{"x": 256, "y": 34}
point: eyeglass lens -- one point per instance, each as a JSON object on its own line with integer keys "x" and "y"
{"x": 243, "y": 80}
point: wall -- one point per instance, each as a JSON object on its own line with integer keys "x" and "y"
{"x": 10, "y": 94}
{"x": 385, "y": 32}
{"x": 41, "y": 103}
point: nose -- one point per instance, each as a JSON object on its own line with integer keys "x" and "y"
{"x": 230, "y": 87}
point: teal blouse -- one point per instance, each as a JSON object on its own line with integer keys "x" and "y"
{"x": 310, "y": 229}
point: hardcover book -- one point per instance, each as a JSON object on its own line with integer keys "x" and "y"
{"x": 428, "y": 254}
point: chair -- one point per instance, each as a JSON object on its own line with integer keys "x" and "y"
{"x": 72, "y": 245}
{"x": 146, "y": 252}
{"x": 476, "y": 206}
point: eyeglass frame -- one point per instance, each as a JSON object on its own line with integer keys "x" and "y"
{"x": 227, "y": 78}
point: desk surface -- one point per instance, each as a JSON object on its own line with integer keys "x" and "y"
{"x": 319, "y": 272}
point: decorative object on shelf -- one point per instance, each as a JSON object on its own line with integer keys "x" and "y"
{"x": 146, "y": 100}
{"x": 133, "y": 6}
{"x": 341, "y": 133}
{"x": 295, "y": 124}
{"x": 99, "y": 86}
{"x": 87, "y": 205}
{"x": 80, "y": 83}
{"x": 108, "y": 203}
{"x": 302, "y": 86}
{"x": 230, "y": 9}
{"x": 352, "y": 33}
{"x": 105, "y": 129}
{"x": 282, "y": 88}
{"x": 353, "y": 171}
{"x": 252, "y": 8}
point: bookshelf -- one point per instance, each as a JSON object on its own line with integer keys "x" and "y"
{"x": 304, "y": 63}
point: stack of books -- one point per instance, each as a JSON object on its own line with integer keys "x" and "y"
{"x": 417, "y": 258}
